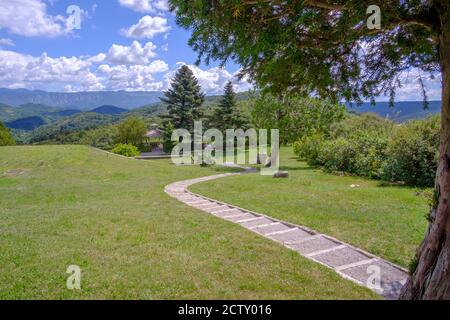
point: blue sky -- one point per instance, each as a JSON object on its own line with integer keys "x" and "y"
{"x": 121, "y": 45}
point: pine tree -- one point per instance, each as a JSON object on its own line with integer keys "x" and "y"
{"x": 227, "y": 115}
{"x": 184, "y": 99}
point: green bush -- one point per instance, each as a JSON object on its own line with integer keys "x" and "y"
{"x": 337, "y": 155}
{"x": 167, "y": 130}
{"x": 309, "y": 149}
{"x": 355, "y": 145}
{"x": 126, "y": 150}
{"x": 367, "y": 122}
{"x": 370, "y": 146}
{"x": 145, "y": 146}
{"x": 6, "y": 138}
{"x": 413, "y": 153}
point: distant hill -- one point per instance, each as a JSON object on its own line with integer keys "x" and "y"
{"x": 67, "y": 113}
{"x": 31, "y": 116}
{"x": 27, "y": 124}
{"x": 111, "y": 110}
{"x": 78, "y": 122}
{"x": 79, "y": 100}
{"x": 401, "y": 112}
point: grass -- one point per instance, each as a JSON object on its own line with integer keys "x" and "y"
{"x": 73, "y": 205}
{"x": 388, "y": 221}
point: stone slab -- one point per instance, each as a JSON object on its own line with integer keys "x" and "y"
{"x": 318, "y": 244}
{"x": 341, "y": 257}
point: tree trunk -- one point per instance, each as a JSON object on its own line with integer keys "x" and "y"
{"x": 431, "y": 278}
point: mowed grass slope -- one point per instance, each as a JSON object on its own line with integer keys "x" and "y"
{"x": 73, "y": 205}
{"x": 388, "y": 221}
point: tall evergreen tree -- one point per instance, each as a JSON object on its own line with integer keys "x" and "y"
{"x": 184, "y": 99}
{"x": 227, "y": 115}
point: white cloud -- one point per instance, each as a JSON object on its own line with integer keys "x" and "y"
{"x": 133, "y": 78}
{"x": 147, "y": 27}
{"x": 145, "y": 6}
{"x": 24, "y": 71}
{"x": 411, "y": 89}
{"x": 130, "y": 68}
{"x": 114, "y": 70}
{"x": 83, "y": 73}
{"x": 6, "y": 42}
{"x": 132, "y": 55}
{"x": 30, "y": 18}
{"x": 213, "y": 80}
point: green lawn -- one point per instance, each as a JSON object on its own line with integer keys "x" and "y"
{"x": 64, "y": 205}
{"x": 386, "y": 221}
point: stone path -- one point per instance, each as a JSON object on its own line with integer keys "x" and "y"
{"x": 350, "y": 262}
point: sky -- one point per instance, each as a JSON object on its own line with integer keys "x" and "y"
{"x": 132, "y": 45}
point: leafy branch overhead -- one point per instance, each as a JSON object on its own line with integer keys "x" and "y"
{"x": 318, "y": 46}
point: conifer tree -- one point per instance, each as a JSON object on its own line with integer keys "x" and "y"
{"x": 227, "y": 115}
{"x": 184, "y": 99}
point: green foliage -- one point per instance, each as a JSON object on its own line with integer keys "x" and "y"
{"x": 413, "y": 152}
{"x": 132, "y": 131}
{"x": 168, "y": 144}
{"x": 57, "y": 132}
{"x": 227, "y": 115}
{"x": 355, "y": 124}
{"x": 6, "y": 138}
{"x": 370, "y": 146}
{"x": 316, "y": 46}
{"x": 103, "y": 137}
{"x": 308, "y": 148}
{"x": 184, "y": 99}
{"x": 294, "y": 116}
{"x": 126, "y": 150}
{"x": 355, "y": 145}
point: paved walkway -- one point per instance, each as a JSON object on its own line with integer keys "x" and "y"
{"x": 349, "y": 262}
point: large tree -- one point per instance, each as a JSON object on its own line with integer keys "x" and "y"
{"x": 227, "y": 115}
{"x": 294, "y": 116}
{"x": 184, "y": 99}
{"x": 326, "y": 47}
{"x": 132, "y": 131}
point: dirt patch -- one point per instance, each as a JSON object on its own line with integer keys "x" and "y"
{"x": 15, "y": 172}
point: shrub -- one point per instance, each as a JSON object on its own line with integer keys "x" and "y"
{"x": 367, "y": 122}
{"x": 168, "y": 144}
{"x": 413, "y": 153}
{"x": 145, "y": 146}
{"x": 6, "y": 138}
{"x": 126, "y": 150}
{"x": 337, "y": 155}
{"x": 309, "y": 148}
{"x": 355, "y": 145}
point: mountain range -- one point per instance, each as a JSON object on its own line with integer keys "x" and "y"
{"x": 401, "y": 111}
{"x": 79, "y": 100}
